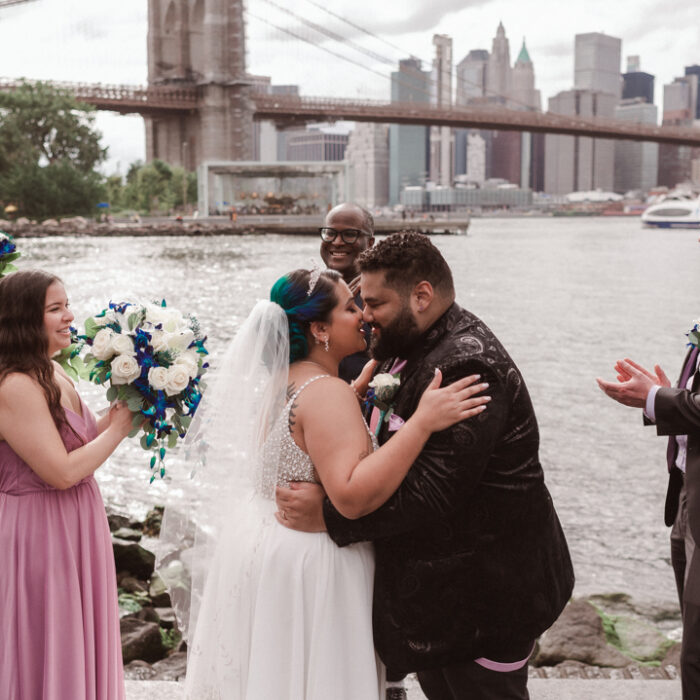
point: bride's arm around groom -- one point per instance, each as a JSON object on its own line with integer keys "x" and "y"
{"x": 471, "y": 558}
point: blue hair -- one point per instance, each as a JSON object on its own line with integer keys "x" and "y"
{"x": 301, "y": 308}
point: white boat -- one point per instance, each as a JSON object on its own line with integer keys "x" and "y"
{"x": 675, "y": 210}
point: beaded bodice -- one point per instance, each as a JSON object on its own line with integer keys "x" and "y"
{"x": 292, "y": 463}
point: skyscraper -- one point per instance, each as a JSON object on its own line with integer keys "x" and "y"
{"x": 367, "y": 156}
{"x": 680, "y": 106}
{"x": 498, "y": 72}
{"x": 695, "y": 70}
{"x": 636, "y": 163}
{"x": 597, "y": 63}
{"x": 441, "y": 136}
{"x": 575, "y": 162}
{"x": 408, "y": 144}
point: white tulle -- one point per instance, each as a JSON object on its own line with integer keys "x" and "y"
{"x": 269, "y": 613}
{"x": 224, "y": 447}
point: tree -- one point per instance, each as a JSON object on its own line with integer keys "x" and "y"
{"x": 49, "y": 150}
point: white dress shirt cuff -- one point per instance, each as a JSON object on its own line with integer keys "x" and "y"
{"x": 649, "y": 408}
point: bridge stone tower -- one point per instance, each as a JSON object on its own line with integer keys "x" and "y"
{"x": 200, "y": 43}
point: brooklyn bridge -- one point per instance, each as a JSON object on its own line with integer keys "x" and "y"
{"x": 199, "y": 93}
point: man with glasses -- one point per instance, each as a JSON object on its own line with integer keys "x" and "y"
{"x": 347, "y": 231}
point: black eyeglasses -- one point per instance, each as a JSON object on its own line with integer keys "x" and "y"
{"x": 349, "y": 235}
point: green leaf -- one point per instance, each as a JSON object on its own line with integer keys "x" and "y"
{"x": 172, "y": 440}
{"x": 133, "y": 320}
{"x": 144, "y": 444}
{"x": 135, "y": 403}
{"x": 112, "y": 394}
{"x": 134, "y": 431}
{"x": 92, "y": 328}
{"x": 137, "y": 420}
{"x": 70, "y": 371}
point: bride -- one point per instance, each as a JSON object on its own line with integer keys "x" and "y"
{"x": 277, "y": 613}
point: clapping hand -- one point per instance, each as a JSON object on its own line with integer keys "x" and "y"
{"x": 633, "y": 383}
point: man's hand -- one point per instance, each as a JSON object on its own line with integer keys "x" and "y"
{"x": 633, "y": 383}
{"x": 301, "y": 507}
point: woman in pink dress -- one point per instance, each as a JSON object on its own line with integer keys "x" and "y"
{"x": 59, "y": 620}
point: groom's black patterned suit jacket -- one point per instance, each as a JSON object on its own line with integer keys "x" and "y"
{"x": 471, "y": 558}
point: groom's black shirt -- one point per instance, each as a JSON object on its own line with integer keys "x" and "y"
{"x": 471, "y": 558}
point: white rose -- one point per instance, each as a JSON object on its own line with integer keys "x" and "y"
{"x": 190, "y": 360}
{"x": 122, "y": 344}
{"x": 155, "y": 314}
{"x": 385, "y": 386}
{"x": 102, "y": 344}
{"x": 180, "y": 341}
{"x": 158, "y": 378}
{"x": 173, "y": 321}
{"x": 125, "y": 369}
{"x": 159, "y": 341}
{"x": 178, "y": 378}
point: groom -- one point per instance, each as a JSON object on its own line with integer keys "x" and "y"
{"x": 471, "y": 562}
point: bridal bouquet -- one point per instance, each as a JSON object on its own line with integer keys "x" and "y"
{"x": 8, "y": 254}
{"x": 152, "y": 357}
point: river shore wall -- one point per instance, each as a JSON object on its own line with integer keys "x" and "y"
{"x": 244, "y": 225}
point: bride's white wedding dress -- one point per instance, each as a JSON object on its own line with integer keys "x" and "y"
{"x": 285, "y": 615}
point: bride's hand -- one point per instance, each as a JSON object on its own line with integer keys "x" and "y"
{"x": 361, "y": 383}
{"x": 441, "y": 407}
{"x": 301, "y": 507}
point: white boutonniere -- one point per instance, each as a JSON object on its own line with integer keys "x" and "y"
{"x": 382, "y": 390}
{"x": 693, "y": 335}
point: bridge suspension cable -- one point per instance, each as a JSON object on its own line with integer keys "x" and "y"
{"x": 432, "y": 83}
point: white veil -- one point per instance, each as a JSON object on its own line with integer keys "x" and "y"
{"x": 232, "y": 489}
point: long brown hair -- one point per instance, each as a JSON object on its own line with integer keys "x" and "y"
{"x": 24, "y": 345}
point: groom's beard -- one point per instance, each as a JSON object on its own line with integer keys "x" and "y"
{"x": 397, "y": 338}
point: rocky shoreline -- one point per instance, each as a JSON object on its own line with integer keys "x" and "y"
{"x": 600, "y": 636}
{"x": 79, "y": 226}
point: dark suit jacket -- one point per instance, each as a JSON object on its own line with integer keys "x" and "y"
{"x": 471, "y": 558}
{"x": 678, "y": 413}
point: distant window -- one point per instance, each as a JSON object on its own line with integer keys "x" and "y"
{"x": 671, "y": 212}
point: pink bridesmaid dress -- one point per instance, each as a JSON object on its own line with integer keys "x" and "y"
{"x": 59, "y": 620}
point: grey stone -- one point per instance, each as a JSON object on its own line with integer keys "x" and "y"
{"x": 138, "y": 671}
{"x": 578, "y": 635}
{"x": 131, "y": 557}
{"x": 141, "y": 640}
{"x": 167, "y": 618}
{"x": 172, "y": 668}
{"x": 159, "y": 592}
{"x": 132, "y": 585}
{"x": 127, "y": 533}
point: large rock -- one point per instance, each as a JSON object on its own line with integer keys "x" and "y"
{"x": 138, "y": 671}
{"x": 131, "y": 557}
{"x": 578, "y": 635}
{"x": 158, "y": 592}
{"x": 172, "y": 668}
{"x": 141, "y": 640}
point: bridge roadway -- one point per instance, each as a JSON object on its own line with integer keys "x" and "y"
{"x": 289, "y": 110}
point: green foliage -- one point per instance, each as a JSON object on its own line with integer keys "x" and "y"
{"x": 49, "y": 150}
{"x": 157, "y": 187}
{"x": 170, "y": 638}
{"x": 132, "y": 602}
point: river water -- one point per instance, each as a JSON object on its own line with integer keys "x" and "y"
{"x": 567, "y": 297}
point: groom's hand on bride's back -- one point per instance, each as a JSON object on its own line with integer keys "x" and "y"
{"x": 300, "y": 507}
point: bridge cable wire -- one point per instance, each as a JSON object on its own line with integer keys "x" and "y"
{"x": 332, "y": 35}
{"x": 458, "y": 79}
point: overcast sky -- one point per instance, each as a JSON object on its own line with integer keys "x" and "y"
{"x": 105, "y": 41}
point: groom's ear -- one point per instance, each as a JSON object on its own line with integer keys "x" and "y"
{"x": 422, "y": 297}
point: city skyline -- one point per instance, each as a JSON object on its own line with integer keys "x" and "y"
{"x": 113, "y": 35}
